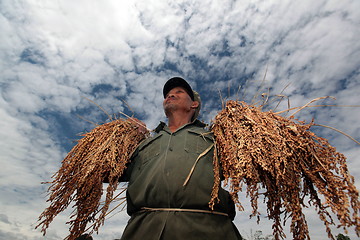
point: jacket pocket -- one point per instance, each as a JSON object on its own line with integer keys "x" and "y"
{"x": 149, "y": 149}
{"x": 197, "y": 142}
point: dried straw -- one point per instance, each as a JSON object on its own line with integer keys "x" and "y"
{"x": 101, "y": 154}
{"x": 283, "y": 160}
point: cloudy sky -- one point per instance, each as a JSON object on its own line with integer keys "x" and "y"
{"x": 55, "y": 54}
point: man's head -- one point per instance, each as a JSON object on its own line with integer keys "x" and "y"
{"x": 178, "y": 93}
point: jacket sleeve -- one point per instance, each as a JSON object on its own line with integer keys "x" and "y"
{"x": 125, "y": 177}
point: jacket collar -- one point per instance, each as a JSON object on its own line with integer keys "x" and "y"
{"x": 163, "y": 126}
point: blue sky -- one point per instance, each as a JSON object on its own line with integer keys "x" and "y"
{"x": 54, "y": 54}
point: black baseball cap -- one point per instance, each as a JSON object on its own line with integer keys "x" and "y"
{"x": 177, "y": 82}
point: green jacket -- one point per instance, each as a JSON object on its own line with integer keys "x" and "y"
{"x": 156, "y": 176}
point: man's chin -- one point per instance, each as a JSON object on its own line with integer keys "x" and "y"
{"x": 168, "y": 108}
{"x": 170, "y": 105}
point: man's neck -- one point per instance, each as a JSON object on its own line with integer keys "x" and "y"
{"x": 175, "y": 121}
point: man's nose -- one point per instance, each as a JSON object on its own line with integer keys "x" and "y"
{"x": 170, "y": 95}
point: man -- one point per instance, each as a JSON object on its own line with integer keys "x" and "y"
{"x": 160, "y": 205}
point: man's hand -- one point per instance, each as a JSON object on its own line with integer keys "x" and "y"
{"x": 141, "y": 125}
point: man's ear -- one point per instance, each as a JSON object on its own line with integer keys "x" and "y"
{"x": 195, "y": 104}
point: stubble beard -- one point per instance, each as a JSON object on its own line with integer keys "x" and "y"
{"x": 170, "y": 108}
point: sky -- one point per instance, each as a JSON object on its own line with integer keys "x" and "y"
{"x": 55, "y": 55}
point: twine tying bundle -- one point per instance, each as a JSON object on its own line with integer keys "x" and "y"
{"x": 284, "y": 161}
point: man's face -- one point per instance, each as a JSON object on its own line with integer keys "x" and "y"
{"x": 177, "y": 99}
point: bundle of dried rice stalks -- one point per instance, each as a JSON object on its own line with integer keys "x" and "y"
{"x": 101, "y": 153}
{"x": 287, "y": 162}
